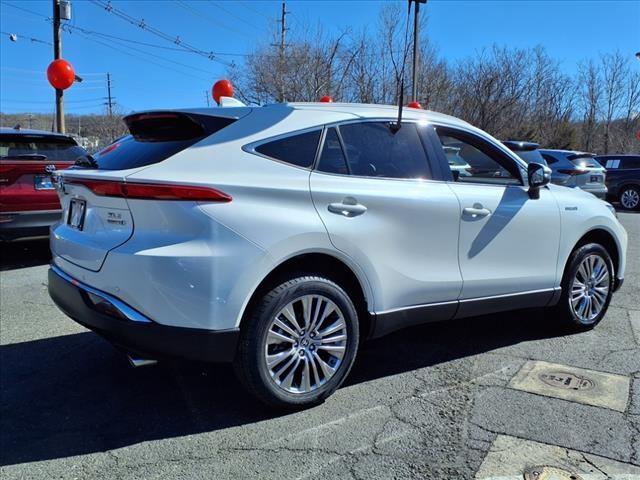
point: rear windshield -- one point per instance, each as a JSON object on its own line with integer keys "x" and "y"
{"x": 39, "y": 147}
{"x": 154, "y": 138}
{"x": 584, "y": 161}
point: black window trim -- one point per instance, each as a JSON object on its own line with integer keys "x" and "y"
{"x": 436, "y": 174}
{"x": 507, "y": 158}
{"x": 251, "y": 147}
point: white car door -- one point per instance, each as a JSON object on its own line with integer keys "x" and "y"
{"x": 374, "y": 190}
{"x": 508, "y": 244}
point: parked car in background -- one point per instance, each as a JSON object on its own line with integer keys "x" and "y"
{"x": 623, "y": 179}
{"x": 576, "y": 169}
{"x": 528, "y": 151}
{"x": 29, "y": 204}
{"x": 277, "y": 237}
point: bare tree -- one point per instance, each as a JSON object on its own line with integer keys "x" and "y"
{"x": 614, "y": 74}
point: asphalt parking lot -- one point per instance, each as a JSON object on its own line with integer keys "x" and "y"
{"x": 463, "y": 400}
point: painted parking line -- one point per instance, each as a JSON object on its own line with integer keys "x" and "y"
{"x": 588, "y": 387}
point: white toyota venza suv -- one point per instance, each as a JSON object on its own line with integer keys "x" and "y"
{"x": 279, "y": 237}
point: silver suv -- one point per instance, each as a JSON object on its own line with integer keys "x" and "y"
{"x": 279, "y": 237}
{"x": 577, "y": 169}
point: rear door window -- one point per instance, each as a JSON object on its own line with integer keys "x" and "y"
{"x": 332, "y": 159}
{"x": 630, "y": 162}
{"x": 39, "y": 147}
{"x": 299, "y": 150}
{"x": 373, "y": 149}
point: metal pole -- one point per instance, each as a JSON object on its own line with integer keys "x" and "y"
{"x": 282, "y": 46}
{"x": 416, "y": 49}
{"x": 109, "y": 99}
{"x": 206, "y": 95}
{"x": 57, "y": 52}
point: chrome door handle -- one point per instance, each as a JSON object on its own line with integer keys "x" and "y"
{"x": 348, "y": 207}
{"x": 476, "y": 212}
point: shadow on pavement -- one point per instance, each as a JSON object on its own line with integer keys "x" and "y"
{"x": 75, "y": 394}
{"x": 28, "y": 253}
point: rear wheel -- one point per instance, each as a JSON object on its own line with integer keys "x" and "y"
{"x": 587, "y": 286}
{"x": 630, "y": 198}
{"x": 299, "y": 343}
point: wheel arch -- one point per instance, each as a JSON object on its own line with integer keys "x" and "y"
{"x": 323, "y": 264}
{"x": 606, "y": 239}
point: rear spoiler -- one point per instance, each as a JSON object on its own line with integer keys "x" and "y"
{"x": 519, "y": 146}
{"x": 575, "y": 156}
{"x": 162, "y": 126}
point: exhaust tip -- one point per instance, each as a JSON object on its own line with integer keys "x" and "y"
{"x": 141, "y": 362}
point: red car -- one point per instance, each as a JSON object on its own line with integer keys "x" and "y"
{"x": 29, "y": 203}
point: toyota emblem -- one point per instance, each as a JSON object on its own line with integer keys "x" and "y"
{"x": 50, "y": 168}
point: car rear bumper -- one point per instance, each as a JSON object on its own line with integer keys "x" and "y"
{"x": 600, "y": 192}
{"x": 19, "y": 225}
{"x": 130, "y": 330}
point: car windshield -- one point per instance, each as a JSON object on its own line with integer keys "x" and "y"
{"x": 39, "y": 147}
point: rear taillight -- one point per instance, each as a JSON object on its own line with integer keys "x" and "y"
{"x": 150, "y": 191}
{"x": 572, "y": 171}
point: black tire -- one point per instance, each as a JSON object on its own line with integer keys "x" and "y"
{"x": 250, "y": 363}
{"x": 564, "y": 310}
{"x": 634, "y": 193}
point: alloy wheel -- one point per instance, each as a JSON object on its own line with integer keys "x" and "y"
{"x": 590, "y": 288}
{"x": 630, "y": 199}
{"x": 306, "y": 343}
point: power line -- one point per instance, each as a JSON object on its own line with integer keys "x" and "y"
{"x": 26, "y": 10}
{"x": 144, "y": 59}
{"x": 159, "y": 33}
{"x": 122, "y": 41}
{"x": 18, "y": 35}
{"x": 251, "y": 9}
{"x": 234, "y": 15}
{"x": 213, "y": 20}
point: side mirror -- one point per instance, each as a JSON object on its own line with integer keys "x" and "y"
{"x": 538, "y": 175}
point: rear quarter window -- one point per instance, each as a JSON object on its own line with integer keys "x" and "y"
{"x": 299, "y": 150}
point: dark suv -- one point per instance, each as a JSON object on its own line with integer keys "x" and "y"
{"x": 623, "y": 179}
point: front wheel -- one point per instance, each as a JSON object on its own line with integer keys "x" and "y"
{"x": 587, "y": 286}
{"x": 630, "y": 198}
{"x": 299, "y": 343}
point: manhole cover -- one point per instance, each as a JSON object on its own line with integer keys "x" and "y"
{"x": 565, "y": 380}
{"x": 545, "y": 472}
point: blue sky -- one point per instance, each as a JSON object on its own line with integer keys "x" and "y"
{"x": 570, "y": 30}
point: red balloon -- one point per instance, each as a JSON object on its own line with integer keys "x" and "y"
{"x": 414, "y": 105}
{"x": 222, "y": 88}
{"x": 326, "y": 99}
{"x": 60, "y": 74}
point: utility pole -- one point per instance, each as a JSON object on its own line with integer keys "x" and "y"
{"x": 109, "y": 97}
{"x": 416, "y": 49}
{"x": 206, "y": 96}
{"x": 282, "y": 46}
{"x": 57, "y": 52}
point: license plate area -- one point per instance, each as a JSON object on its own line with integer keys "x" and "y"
{"x": 43, "y": 182}
{"x": 596, "y": 179}
{"x": 77, "y": 210}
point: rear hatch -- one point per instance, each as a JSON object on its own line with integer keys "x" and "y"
{"x": 27, "y": 162}
{"x": 589, "y": 174}
{"x": 96, "y": 216}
